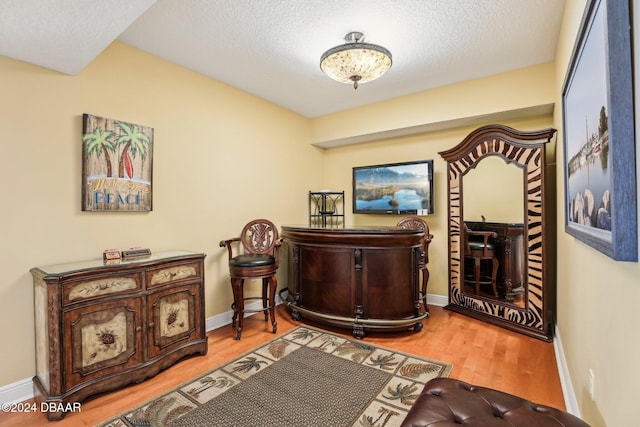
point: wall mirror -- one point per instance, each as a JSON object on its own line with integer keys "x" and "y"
{"x": 493, "y": 200}
{"x": 501, "y": 266}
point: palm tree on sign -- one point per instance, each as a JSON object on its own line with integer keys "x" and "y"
{"x": 100, "y": 141}
{"x": 135, "y": 142}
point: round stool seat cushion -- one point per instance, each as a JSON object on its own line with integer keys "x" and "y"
{"x": 252, "y": 260}
{"x": 478, "y": 246}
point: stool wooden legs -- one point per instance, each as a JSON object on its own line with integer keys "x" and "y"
{"x": 494, "y": 275}
{"x": 237, "y": 285}
{"x": 425, "y": 281}
{"x": 476, "y": 274}
{"x": 270, "y": 304}
{"x": 265, "y": 298}
{"x": 269, "y": 285}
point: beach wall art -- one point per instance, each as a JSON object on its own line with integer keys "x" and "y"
{"x": 117, "y": 165}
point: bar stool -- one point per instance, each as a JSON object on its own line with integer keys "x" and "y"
{"x": 414, "y": 222}
{"x": 479, "y": 251}
{"x": 258, "y": 260}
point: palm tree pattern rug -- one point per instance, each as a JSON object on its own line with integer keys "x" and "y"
{"x": 307, "y": 377}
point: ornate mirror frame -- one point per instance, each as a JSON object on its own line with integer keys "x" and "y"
{"x": 527, "y": 151}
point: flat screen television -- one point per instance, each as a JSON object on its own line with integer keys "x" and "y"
{"x": 394, "y": 188}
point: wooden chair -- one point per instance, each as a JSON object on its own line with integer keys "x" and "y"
{"x": 413, "y": 222}
{"x": 478, "y": 248}
{"x": 257, "y": 258}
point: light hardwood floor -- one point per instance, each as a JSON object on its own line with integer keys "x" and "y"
{"x": 482, "y": 354}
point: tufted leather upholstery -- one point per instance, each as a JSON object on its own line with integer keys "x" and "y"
{"x": 449, "y": 402}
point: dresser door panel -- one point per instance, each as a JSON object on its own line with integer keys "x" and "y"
{"x": 172, "y": 315}
{"x": 101, "y": 339}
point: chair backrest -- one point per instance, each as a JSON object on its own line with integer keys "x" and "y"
{"x": 259, "y": 236}
{"x": 414, "y": 222}
{"x": 464, "y": 238}
{"x": 486, "y": 247}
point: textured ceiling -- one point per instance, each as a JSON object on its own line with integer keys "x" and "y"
{"x": 272, "y": 48}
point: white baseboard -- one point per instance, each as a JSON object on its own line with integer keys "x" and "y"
{"x": 568, "y": 392}
{"x": 437, "y": 300}
{"x": 17, "y": 392}
{"x": 23, "y": 389}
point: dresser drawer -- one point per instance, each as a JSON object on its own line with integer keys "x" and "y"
{"x": 100, "y": 285}
{"x": 173, "y": 273}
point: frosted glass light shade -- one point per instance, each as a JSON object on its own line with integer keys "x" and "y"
{"x": 355, "y": 62}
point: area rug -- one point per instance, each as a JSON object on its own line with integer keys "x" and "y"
{"x": 307, "y": 377}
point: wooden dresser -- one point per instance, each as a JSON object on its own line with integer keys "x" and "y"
{"x": 101, "y": 326}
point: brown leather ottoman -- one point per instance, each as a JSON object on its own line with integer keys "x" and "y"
{"x": 449, "y": 402}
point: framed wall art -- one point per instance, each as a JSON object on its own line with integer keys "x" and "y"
{"x": 117, "y": 165}
{"x": 599, "y": 140}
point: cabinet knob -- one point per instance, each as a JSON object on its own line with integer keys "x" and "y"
{"x": 152, "y": 324}
{"x": 139, "y": 328}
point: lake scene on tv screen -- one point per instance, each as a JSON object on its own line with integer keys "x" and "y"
{"x": 393, "y": 188}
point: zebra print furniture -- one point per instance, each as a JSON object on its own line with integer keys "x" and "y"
{"x": 525, "y": 150}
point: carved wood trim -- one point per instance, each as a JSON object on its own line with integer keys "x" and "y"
{"x": 527, "y": 151}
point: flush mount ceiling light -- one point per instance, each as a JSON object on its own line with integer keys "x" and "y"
{"x": 355, "y": 61}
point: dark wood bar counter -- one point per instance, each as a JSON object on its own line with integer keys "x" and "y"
{"x": 511, "y": 257}
{"x": 364, "y": 278}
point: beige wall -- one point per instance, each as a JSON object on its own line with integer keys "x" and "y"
{"x": 457, "y": 103}
{"x": 494, "y": 190}
{"x": 221, "y": 158}
{"x": 597, "y": 297}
